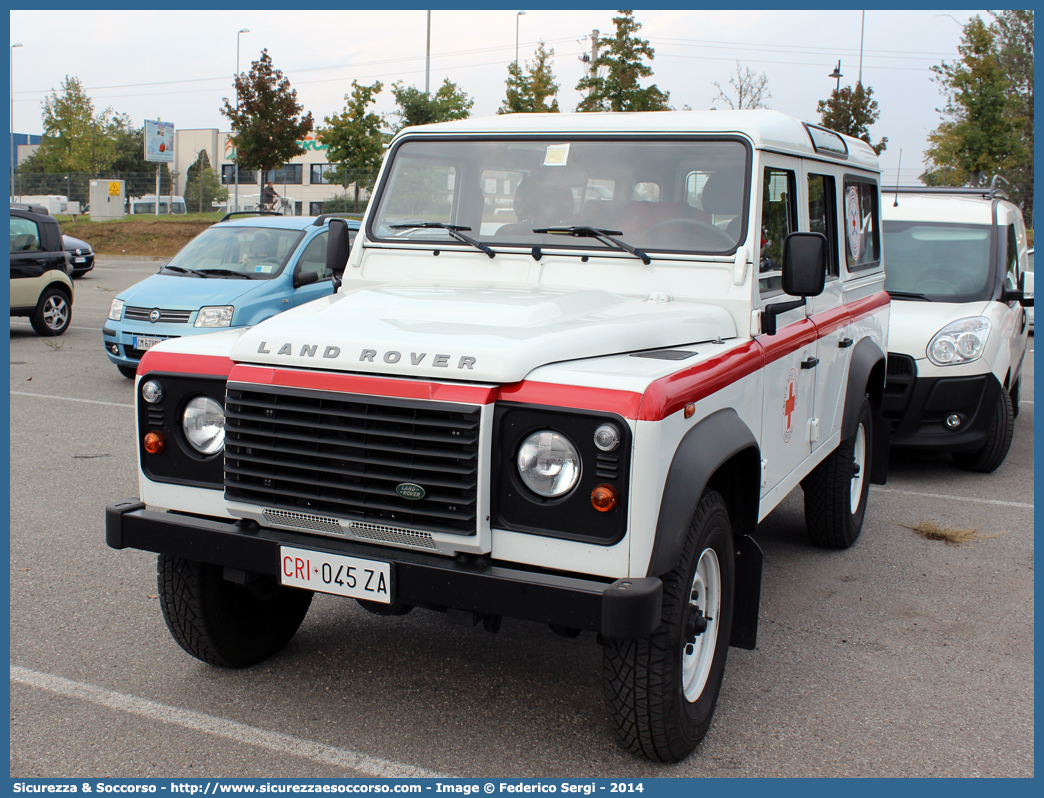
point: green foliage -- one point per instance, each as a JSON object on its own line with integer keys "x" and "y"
{"x": 751, "y": 89}
{"x": 353, "y": 138}
{"x": 528, "y": 93}
{"x": 417, "y": 108}
{"x": 622, "y": 57}
{"x": 986, "y": 129}
{"x": 75, "y": 138}
{"x": 267, "y": 124}
{"x": 202, "y": 185}
{"x": 851, "y": 112}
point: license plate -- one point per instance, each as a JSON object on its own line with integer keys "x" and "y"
{"x": 145, "y": 343}
{"x": 79, "y": 260}
{"x": 334, "y": 573}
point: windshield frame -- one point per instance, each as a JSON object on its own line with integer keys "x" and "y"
{"x": 984, "y": 293}
{"x": 295, "y": 238}
{"x": 580, "y": 245}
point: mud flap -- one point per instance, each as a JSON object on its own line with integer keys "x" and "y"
{"x": 748, "y": 592}
{"x": 881, "y": 443}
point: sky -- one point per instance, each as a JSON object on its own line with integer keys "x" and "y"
{"x": 178, "y": 65}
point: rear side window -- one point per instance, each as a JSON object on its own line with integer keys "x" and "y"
{"x": 862, "y": 224}
{"x": 822, "y": 215}
{"x": 778, "y": 220}
{"x": 25, "y": 235}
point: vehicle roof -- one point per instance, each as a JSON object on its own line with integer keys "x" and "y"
{"x": 767, "y": 130}
{"x": 280, "y": 222}
{"x": 939, "y": 208}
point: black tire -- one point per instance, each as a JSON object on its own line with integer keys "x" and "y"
{"x": 1016, "y": 397}
{"x": 222, "y": 623}
{"x": 644, "y": 680}
{"x": 998, "y": 440}
{"x": 53, "y": 313}
{"x": 130, "y": 372}
{"x": 831, "y": 520}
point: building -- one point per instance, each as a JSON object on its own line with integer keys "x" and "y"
{"x": 303, "y": 180}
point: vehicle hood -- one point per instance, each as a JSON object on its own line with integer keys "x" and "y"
{"x": 491, "y": 334}
{"x": 187, "y": 293}
{"x": 70, "y": 243}
{"x": 912, "y": 325}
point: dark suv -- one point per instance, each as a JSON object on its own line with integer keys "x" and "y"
{"x": 40, "y": 284}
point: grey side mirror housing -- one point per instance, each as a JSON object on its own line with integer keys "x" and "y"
{"x": 338, "y": 246}
{"x": 805, "y": 259}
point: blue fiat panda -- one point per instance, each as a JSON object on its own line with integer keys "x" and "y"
{"x": 237, "y": 273}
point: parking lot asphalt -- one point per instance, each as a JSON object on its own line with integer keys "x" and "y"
{"x": 901, "y": 656}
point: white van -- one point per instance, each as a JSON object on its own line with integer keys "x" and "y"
{"x": 956, "y": 265}
{"x": 147, "y": 204}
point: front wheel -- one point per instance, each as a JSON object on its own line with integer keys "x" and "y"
{"x": 836, "y": 490}
{"x": 130, "y": 372}
{"x": 998, "y": 440}
{"x": 225, "y": 624}
{"x": 660, "y": 692}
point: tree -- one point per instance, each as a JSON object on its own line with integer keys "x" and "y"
{"x": 621, "y": 60}
{"x": 267, "y": 124}
{"x": 851, "y": 112}
{"x": 75, "y": 138}
{"x": 977, "y": 136}
{"x": 202, "y": 185}
{"x": 528, "y": 93}
{"x": 1013, "y": 31}
{"x": 751, "y": 89}
{"x": 353, "y": 138}
{"x": 417, "y": 108}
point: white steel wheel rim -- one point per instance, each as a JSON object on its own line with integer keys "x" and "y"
{"x": 858, "y": 468}
{"x": 704, "y": 594}
{"x": 55, "y": 313}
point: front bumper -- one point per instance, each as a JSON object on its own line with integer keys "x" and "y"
{"x": 917, "y": 407}
{"x": 121, "y": 334}
{"x": 626, "y": 608}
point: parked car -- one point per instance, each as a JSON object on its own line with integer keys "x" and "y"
{"x": 236, "y": 273}
{"x": 39, "y": 265}
{"x": 1027, "y": 287}
{"x": 81, "y": 256}
{"x": 955, "y": 261}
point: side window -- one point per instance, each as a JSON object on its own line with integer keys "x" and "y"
{"x": 313, "y": 259}
{"x": 778, "y": 220}
{"x": 822, "y": 215}
{"x": 25, "y": 235}
{"x": 862, "y": 224}
{"x": 1011, "y": 277}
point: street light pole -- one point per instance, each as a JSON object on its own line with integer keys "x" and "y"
{"x": 235, "y": 170}
{"x": 12, "y": 118}
{"x": 518, "y": 16}
{"x": 837, "y": 74}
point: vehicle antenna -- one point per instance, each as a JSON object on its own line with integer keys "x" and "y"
{"x": 897, "y": 173}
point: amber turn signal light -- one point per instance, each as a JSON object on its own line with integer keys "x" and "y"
{"x": 690, "y": 409}
{"x": 603, "y": 498}
{"x": 153, "y": 443}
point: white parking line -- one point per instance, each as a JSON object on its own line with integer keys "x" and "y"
{"x": 283, "y": 744}
{"x": 1024, "y": 505}
{"x": 71, "y": 399}
{"x": 71, "y": 326}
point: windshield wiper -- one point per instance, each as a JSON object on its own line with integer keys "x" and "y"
{"x": 226, "y": 272}
{"x": 185, "y": 271}
{"x": 605, "y": 236}
{"x": 909, "y": 295}
{"x": 453, "y": 229}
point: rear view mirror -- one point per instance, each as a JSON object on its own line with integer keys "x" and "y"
{"x": 805, "y": 258}
{"x": 338, "y": 246}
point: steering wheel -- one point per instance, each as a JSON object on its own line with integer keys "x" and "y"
{"x": 702, "y": 229}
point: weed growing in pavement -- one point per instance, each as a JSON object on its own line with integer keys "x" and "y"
{"x": 953, "y": 537}
{"x": 54, "y": 343}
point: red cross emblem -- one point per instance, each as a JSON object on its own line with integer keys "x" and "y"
{"x": 789, "y": 405}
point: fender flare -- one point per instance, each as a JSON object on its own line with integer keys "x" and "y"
{"x": 866, "y": 358}
{"x": 702, "y": 450}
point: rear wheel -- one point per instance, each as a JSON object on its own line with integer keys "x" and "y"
{"x": 225, "y": 624}
{"x": 660, "y": 692}
{"x": 998, "y": 440}
{"x": 836, "y": 490}
{"x": 53, "y": 313}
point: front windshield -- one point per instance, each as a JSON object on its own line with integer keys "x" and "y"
{"x": 673, "y": 195}
{"x": 938, "y": 262}
{"x": 220, "y": 251}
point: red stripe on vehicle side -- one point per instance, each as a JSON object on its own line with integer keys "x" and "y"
{"x": 670, "y": 394}
{"x": 788, "y": 339}
{"x": 368, "y": 386}
{"x": 830, "y": 320}
{"x": 209, "y": 365}
{"x": 624, "y": 403}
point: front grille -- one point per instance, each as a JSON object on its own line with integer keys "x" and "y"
{"x": 166, "y": 316}
{"x": 343, "y": 455}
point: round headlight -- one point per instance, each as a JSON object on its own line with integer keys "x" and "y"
{"x": 204, "y": 425}
{"x": 548, "y": 463}
{"x": 961, "y": 341}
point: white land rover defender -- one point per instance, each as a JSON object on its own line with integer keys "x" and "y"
{"x": 537, "y": 399}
